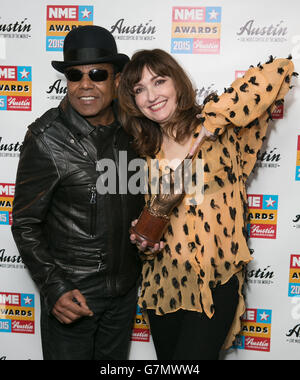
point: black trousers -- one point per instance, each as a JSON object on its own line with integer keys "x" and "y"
{"x": 189, "y": 335}
{"x": 104, "y": 336}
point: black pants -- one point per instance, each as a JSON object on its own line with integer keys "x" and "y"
{"x": 104, "y": 336}
{"x": 189, "y": 335}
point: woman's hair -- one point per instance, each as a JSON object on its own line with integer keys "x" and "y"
{"x": 147, "y": 134}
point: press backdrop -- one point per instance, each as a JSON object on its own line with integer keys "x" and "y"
{"x": 215, "y": 41}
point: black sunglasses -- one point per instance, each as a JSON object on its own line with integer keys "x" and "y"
{"x": 96, "y": 75}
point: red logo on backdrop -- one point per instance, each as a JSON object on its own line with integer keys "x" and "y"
{"x": 278, "y": 112}
{"x": 140, "y": 335}
{"x": 24, "y": 327}
{"x": 257, "y": 344}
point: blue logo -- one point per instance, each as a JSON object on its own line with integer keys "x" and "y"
{"x": 4, "y": 217}
{"x": 5, "y": 325}
{"x": 3, "y": 103}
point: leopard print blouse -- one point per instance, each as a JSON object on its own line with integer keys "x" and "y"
{"x": 206, "y": 242}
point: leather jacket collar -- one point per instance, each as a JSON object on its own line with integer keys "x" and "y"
{"x": 78, "y": 124}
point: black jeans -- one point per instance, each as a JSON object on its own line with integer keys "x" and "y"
{"x": 104, "y": 336}
{"x": 189, "y": 335}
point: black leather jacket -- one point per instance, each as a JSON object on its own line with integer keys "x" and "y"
{"x": 57, "y": 225}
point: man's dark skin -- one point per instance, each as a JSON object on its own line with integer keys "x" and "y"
{"x": 92, "y": 100}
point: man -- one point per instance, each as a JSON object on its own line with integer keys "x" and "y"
{"x": 73, "y": 240}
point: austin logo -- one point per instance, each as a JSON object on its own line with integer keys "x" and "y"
{"x": 250, "y": 31}
{"x": 140, "y": 31}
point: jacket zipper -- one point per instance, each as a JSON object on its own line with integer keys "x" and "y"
{"x": 93, "y": 206}
{"x": 119, "y": 264}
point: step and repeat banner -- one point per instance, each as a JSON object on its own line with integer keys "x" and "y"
{"x": 215, "y": 41}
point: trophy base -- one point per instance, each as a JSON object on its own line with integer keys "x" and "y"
{"x": 149, "y": 228}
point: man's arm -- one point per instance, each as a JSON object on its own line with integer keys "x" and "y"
{"x": 37, "y": 177}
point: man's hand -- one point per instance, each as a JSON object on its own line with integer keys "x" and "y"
{"x": 70, "y": 307}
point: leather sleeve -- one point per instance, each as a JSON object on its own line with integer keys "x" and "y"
{"x": 37, "y": 177}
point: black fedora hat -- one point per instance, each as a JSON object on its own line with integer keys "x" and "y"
{"x": 90, "y": 44}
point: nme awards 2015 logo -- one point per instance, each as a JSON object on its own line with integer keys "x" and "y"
{"x": 7, "y": 192}
{"x": 262, "y": 216}
{"x": 61, "y": 19}
{"x": 294, "y": 277}
{"x": 298, "y": 161}
{"x": 17, "y": 313}
{"x": 15, "y": 88}
{"x": 256, "y": 330}
{"x": 196, "y": 30}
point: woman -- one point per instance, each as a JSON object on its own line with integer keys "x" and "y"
{"x": 192, "y": 289}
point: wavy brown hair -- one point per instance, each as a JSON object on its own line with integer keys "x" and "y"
{"x": 148, "y": 134}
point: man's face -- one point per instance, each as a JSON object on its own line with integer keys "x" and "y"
{"x": 92, "y": 99}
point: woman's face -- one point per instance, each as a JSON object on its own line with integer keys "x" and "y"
{"x": 155, "y": 96}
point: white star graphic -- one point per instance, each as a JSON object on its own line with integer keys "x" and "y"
{"x": 270, "y": 202}
{"x": 86, "y": 13}
{"x": 24, "y": 73}
{"x": 27, "y": 300}
{"x": 264, "y": 316}
{"x": 213, "y": 15}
